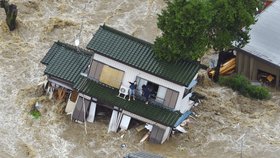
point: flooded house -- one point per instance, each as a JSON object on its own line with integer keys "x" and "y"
{"x": 101, "y": 76}
{"x": 259, "y": 60}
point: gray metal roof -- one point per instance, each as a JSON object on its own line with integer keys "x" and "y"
{"x": 265, "y": 35}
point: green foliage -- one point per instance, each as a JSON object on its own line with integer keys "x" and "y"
{"x": 182, "y": 24}
{"x": 231, "y": 22}
{"x": 35, "y": 113}
{"x": 258, "y": 92}
{"x": 243, "y": 86}
{"x": 190, "y": 27}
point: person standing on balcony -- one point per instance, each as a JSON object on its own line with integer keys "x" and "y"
{"x": 146, "y": 93}
{"x": 132, "y": 88}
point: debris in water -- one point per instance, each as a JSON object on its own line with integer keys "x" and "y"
{"x": 145, "y": 137}
{"x": 38, "y": 105}
{"x": 123, "y": 146}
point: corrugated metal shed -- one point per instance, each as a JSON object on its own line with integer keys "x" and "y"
{"x": 109, "y": 96}
{"x": 265, "y": 35}
{"x": 65, "y": 61}
{"x": 138, "y": 54}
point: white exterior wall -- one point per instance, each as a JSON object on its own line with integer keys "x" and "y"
{"x": 186, "y": 104}
{"x": 131, "y": 73}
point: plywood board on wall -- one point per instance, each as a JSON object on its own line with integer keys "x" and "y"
{"x": 111, "y": 76}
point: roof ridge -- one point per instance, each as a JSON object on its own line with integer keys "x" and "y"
{"x": 131, "y": 37}
{"x": 69, "y": 46}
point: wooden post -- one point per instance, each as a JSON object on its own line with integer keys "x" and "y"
{"x": 11, "y": 13}
{"x": 223, "y": 56}
{"x": 217, "y": 68}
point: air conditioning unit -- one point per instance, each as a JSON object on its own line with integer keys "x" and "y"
{"x": 123, "y": 91}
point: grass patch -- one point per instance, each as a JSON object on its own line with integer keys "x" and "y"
{"x": 35, "y": 113}
{"x": 243, "y": 86}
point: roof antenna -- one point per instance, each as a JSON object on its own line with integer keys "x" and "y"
{"x": 77, "y": 42}
{"x": 77, "y": 37}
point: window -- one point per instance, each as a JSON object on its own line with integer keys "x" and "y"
{"x": 170, "y": 99}
{"x": 111, "y": 76}
{"x": 95, "y": 70}
{"x": 157, "y": 91}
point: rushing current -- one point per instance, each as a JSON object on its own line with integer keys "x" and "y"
{"x": 228, "y": 125}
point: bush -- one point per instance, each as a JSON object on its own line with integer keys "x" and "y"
{"x": 258, "y": 92}
{"x": 35, "y": 113}
{"x": 243, "y": 86}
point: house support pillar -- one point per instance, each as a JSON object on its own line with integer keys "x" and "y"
{"x": 125, "y": 122}
{"x": 92, "y": 110}
{"x": 166, "y": 134}
{"x": 115, "y": 120}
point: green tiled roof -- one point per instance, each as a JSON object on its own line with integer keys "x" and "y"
{"x": 109, "y": 96}
{"x": 139, "y": 54}
{"x": 66, "y": 62}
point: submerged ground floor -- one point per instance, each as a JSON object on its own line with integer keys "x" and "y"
{"x": 88, "y": 96}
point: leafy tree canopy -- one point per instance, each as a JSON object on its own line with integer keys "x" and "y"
{"x": 190, "y": 27}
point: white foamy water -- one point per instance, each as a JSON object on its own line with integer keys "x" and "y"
{"x": 225, "y": 116}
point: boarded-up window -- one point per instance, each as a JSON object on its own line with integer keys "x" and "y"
{"x": 95, "y": 70}
{"x": 111, "y": 76}
{"x": 170, "y": 98}
{"x": 74, "y": 95}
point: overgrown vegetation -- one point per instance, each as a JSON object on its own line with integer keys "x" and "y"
{"x": 35, "y": 113}
{"x": 243, "y": 86}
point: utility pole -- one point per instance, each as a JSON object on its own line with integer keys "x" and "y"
{"x": 11, "y": 13}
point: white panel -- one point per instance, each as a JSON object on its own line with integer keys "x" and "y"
{"x": 92, "y": 110}
{"x": 84, "y": 96}
{"x": 113, "y": 125}
{"x": 57, "y": 83}
{"x": 70, "y": 107}
{"x": 161, "y": 94}
{"x": 125, "y": 122}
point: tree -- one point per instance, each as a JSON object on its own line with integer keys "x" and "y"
{"x": 231, "y": 26}
{"x": 231, "y": 23}
{"x": 190, "y": 27}
{"x": 183, "y": 26}
{"x": 11, "y": 13}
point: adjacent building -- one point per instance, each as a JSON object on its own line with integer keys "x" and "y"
{"x": 259, "y": 60}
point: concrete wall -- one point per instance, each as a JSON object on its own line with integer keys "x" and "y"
{"x": 131, "y": 74}
{"x": 249, "y": 65}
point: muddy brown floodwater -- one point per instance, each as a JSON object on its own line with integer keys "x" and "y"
{"x": 228, "y": 125}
